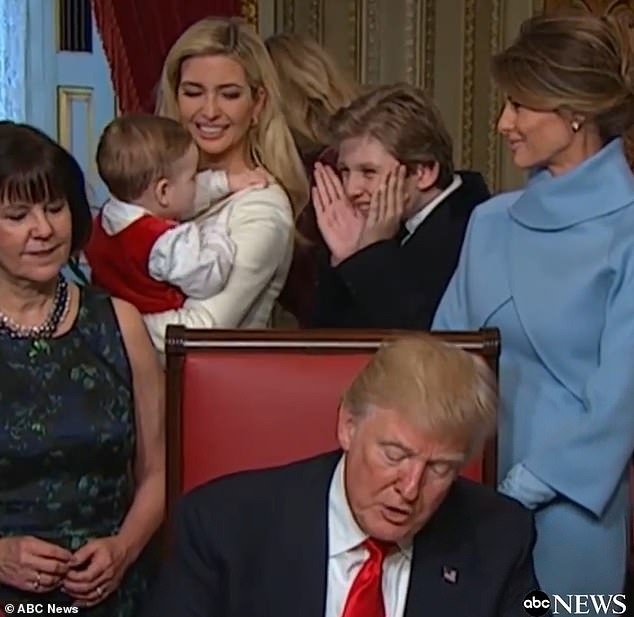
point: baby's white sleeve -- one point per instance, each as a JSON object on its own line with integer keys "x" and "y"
{"x": 196, "y": 258}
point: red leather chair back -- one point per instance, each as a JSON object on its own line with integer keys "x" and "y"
{"x": 245, "y": 399}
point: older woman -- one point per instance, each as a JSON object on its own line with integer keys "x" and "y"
{"x": 218, "y": 81}
{"x": 82, "y": 467}
{"x": 314, "y": 89}
{"x": 394, "y": 215}
{"x": 552, "y": 267}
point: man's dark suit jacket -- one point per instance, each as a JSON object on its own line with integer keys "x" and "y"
{"x": 255, "y": 544}
{"x": 387, "y": 285}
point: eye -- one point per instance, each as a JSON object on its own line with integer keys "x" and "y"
{"x": 191, "y": 93}
{"x": 15, "y": 216}
{"x": 515, "y": 105}
{"x": 55, "y": 207}
{"x": 231, "y": 95}
{"x": 394, "y": 454}
{"x": 441, "y": 469}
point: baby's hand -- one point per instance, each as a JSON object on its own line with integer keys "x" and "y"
{"x": 256, "y": 178}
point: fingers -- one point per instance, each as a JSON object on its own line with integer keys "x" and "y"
{"x": 37, "y": 582}
{"x": 88, "y": 576}
{"x": 43, "y": 565}
{"x": 328, "y": 182}
{"x": 375, "y": 212}
{"x": 391, "y": 199}
{"x": 45, "y": 549}
{"x": 47, "y": 563}
{"x": 327, "y": 197}
{"x": 393, "y": 203}
{"x": 84, "y": 582}
{"x": 93, "y": 596}
{"x": 325, "y": 215}
{"x": 42, "y": 582}
{"x": 263, "y": 177}
{"x": 323, "y": 185}
{"x": 335, "y": 183}
{"x": 318, "y": 203}
{"x": 86, "y": 552}
{"x": 322, "y": 188}
{"x": 93, "y": 592}
{"x": 380, "y": 199}
{"x": 399, "y": 192}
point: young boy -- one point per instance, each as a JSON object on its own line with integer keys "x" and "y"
{"x": 141, "y": 250}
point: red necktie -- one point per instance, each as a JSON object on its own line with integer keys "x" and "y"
{"x": 365, "y": 598}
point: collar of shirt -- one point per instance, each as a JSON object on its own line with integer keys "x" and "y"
{"x": 344, "y": 534}
{"x": 412, "y": 223}
{"x": 117, "y": 215}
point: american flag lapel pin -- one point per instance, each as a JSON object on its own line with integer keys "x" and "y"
{"x": 450, "y": 575}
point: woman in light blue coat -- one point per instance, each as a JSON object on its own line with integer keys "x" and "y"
{"x": 552, "y": 266}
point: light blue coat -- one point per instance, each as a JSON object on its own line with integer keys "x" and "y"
{"x": 552, "y": 267}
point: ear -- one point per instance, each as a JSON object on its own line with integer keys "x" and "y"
{"x": 260, "y": 99}
{"x": 426, "y": 176}
{"x": 346, "y": 427}
{"x": 161, "y": 190}
{"x": 574, "y": 119}
{"x": 577, "y": 122}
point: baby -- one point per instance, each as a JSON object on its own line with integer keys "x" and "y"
{"x": 141, "y": 249}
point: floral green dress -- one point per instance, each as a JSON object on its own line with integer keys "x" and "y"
{"x": 67, "y": 441}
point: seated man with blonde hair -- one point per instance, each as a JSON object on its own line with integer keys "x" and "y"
{"x": 385, "y": 527}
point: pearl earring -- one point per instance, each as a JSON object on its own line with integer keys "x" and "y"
{"x": 575, "y": 126}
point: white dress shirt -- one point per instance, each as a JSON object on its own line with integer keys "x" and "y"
{"x": 417, "y": 219}
{"x": 195, "y": 256}
{"x": 346, "y": 557}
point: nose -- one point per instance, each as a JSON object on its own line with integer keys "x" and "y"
{"x": 41, "y": 226}
{"x": 506, "y": 121}
{"x": 210, "y": 106}
{"x": 354, "y": 185}
{"x": 411, "y": 481}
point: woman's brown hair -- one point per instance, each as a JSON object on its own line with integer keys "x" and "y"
{"x": 576, "y": 63}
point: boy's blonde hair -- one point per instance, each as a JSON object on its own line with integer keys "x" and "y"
{"x": 405, "y": 121}
{"x": 138, "y": 149}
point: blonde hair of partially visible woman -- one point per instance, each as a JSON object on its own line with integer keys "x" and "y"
{"x": 313, "y": 85}
{"x": 270, "y": 141}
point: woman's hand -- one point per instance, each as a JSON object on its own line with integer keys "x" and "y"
{"x": 387, "y": 208}
{"x": 340, "y": 224}
{"x": 31, "y": 564}
{"x": 96, "y": 571}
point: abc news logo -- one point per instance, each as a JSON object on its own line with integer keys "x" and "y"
{"x": 538, "y": 603}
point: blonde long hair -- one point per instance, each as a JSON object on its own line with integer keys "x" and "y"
{"x": 314, "y": 87}
{"x": 270, "y": 141}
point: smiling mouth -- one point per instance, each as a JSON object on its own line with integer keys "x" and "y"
{"x": 42, "y": 252}
{"x": 211, "y": 132}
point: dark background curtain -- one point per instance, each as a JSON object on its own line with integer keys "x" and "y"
{"x": 137, "y": 34}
